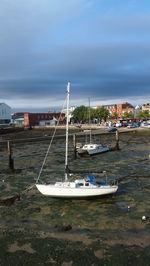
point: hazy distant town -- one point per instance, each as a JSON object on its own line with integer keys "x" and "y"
{"x": 124, "y": 114}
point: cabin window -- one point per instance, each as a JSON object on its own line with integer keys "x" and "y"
{"x": 86, "y": 184}
{"x": 91, "y": 146}
{"x": 80, "y": 184}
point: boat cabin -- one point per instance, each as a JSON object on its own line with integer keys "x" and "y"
{"x": 82, "y": 183}
{"x": 77, "y": 184}
{"x": 91, "y": 146}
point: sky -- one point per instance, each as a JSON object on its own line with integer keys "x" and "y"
{"x": 101, "y": 46}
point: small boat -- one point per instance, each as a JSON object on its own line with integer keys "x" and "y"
{"x": 91, "y": 149}
{"x": 79, "y": 188}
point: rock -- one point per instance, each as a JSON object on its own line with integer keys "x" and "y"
{"x": 10, "y": 201}
{"x": 65, "y": 228}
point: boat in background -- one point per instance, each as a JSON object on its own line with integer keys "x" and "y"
{"x": 92, "y": 149}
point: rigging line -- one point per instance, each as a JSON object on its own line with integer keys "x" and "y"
{"x": 45, "y": 158}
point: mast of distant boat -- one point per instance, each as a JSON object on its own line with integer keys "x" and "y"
{"x": 90, "y": 121}
{"x": 67, "y": 122}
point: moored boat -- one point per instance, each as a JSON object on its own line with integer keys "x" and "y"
{"x": 92, "y": 149}
{"x": 79, "y": 188}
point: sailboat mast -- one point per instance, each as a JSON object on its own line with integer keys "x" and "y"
{"x": 90, "y": 120}
{"x": 67, "y": 123}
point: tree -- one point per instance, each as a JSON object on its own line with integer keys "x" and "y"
{"x": 115, "y": 115}
{"x": 110, "y": 116}
{"x": 93, "y": 113}
{"x": 128, "y": 115}
{"x": 102, "y": 113}
{"x": 143, "y": 114}
{"x": 81, "y": 113}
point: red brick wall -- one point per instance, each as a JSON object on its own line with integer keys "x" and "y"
{"x": 26, "y": 120}
{"x": 32, "y": 119}
{"x": 122, "y": 108}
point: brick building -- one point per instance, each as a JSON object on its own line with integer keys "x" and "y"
{"x": 124, "y": 107}
{"x": 18, "y": 115}
{"x": 34, "y": 119}
{"x": 112, "y": 108}
{"x": 120, "y": 109}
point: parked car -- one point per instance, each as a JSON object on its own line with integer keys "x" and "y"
{"x": 112, "y": 129}
{"x": 146, "y": 124}
{"x": 131, "y": 126}
{"x": 113, "y": 124}
{"x": 118, "y": 124}
{"x": 137, "y": 124}
{"x": 124, "y": 124}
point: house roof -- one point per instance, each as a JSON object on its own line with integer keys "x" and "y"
{"x": 5, "y": 104}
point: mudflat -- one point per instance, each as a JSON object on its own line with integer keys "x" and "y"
{"x": 38, "y": 230}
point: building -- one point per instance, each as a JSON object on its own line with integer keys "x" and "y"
{"x": 70, "y": 111}
{"x": 18, "y": 119}
{"x": 19, "y": 122}
{"x": 146, "y": 107}
{"x": 5, "y": 113}
{"x": 42, "y": 119}
{"x": 119, "y": 109}
{"x": 124, "y": 108}
{"x": 112, "y": 108}
{"x": 18, "y": 115}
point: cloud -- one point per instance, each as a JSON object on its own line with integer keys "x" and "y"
{"x": 45, "y": 43}
{"x": 104, "y": 70}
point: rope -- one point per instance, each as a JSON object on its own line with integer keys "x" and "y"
{"x": 44, "y": 161}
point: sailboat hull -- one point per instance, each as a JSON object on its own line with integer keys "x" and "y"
{"x": 74, "y": 192}
{"x": 97, "y": 151}
{"x": 92, "y": 149}
{"x": 82, "y": 152}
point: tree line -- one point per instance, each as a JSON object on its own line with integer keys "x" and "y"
{"x": 143, "y": 114}
{"x": 82, "y": 113}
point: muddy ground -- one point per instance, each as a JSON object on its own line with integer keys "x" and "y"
{"x": 38, "y": 230}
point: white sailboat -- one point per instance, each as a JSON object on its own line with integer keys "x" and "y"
{"x": 80, "y": 188}
{"x": 92, "y": 148}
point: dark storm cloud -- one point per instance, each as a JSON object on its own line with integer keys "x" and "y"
{"x": 42, "y": 47}
{"x": 101, "y": 70}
